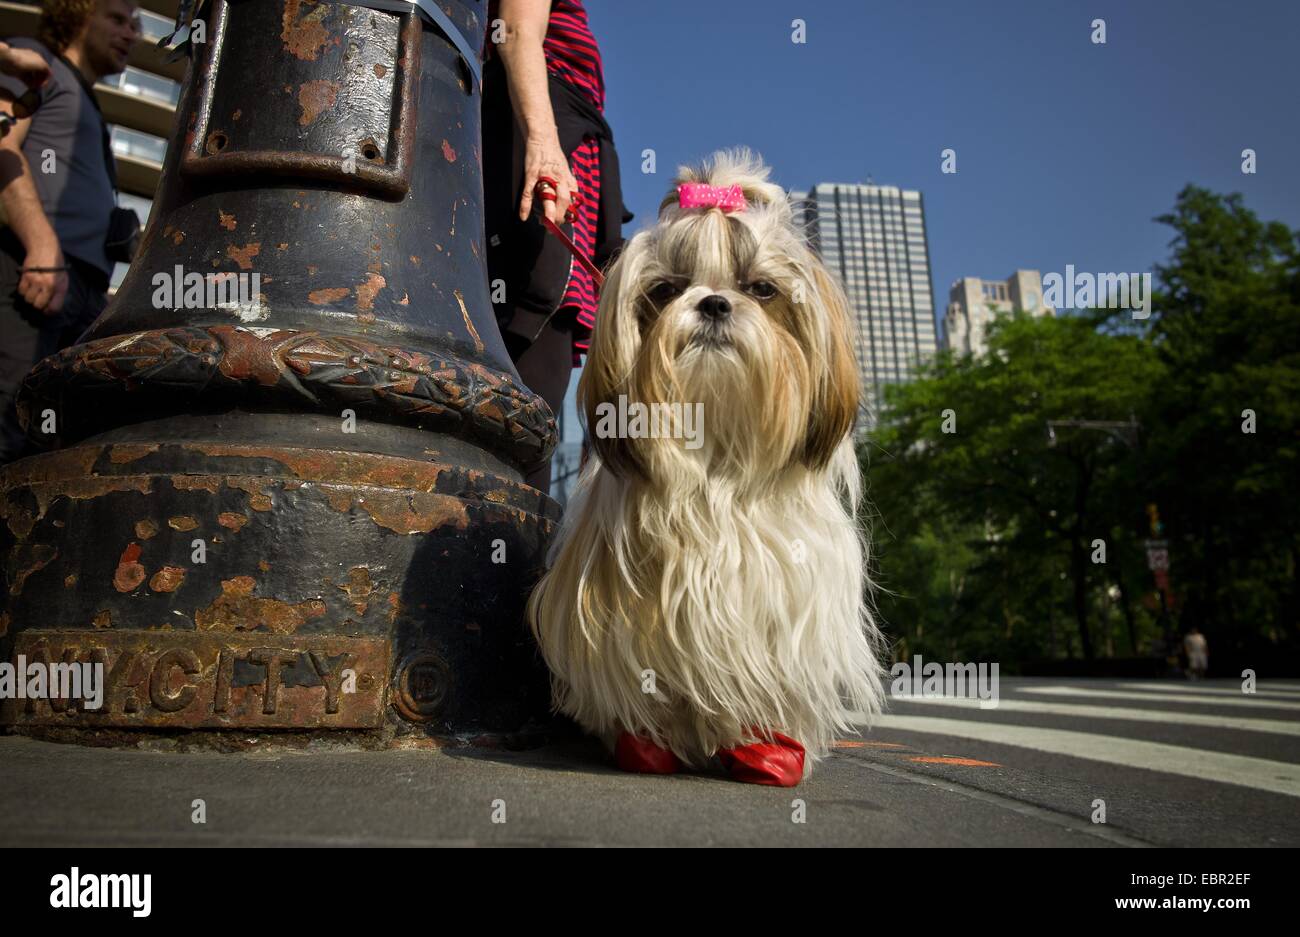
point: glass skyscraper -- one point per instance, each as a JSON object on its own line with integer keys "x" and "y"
{"x": 873, "y": 238}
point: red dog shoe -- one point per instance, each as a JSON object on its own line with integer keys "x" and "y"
{"x": 633, "y": 753}
{"x": 778, "y": 763}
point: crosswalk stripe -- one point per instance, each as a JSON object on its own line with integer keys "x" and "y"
{"x": 1084, "y": 711}
{"x": 1154, "y": 697}
{"x": 1270, "y": 691}
{"x": 1256, "y": 773}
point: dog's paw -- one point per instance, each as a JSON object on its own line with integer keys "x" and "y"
{"x": 778, "y": 763}
{"x": 633, "y": 753}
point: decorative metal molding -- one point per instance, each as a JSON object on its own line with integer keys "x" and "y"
{"x": 225, "y": 365}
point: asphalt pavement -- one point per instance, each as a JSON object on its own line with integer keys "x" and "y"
{"x": 1079, "y": 763}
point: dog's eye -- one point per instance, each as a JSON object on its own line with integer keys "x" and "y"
{"x": 663, "y": 292}
{"x": 761, "y": 289}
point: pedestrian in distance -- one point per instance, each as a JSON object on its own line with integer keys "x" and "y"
{"x": 1198, "y": 653}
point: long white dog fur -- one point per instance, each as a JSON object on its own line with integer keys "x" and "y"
{"x": 706, "y": 597}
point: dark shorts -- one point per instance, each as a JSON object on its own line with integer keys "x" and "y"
{"x": 533, "y": 267}
{"x": 28, "y": 335}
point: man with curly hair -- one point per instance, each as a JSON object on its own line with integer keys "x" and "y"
{"x": 56, "y": 190}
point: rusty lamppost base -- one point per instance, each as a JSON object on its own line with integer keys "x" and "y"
{"x": 336, "y": 589}
{"x": 300, "y": 512}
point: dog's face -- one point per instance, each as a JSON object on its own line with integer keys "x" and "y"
{"x": 729, "y": 310}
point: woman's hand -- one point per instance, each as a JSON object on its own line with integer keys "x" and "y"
{"x": 544, "y": 157}
{"x": 524, "y": 58}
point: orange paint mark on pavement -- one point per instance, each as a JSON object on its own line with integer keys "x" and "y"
{"x": 967, "y": 762}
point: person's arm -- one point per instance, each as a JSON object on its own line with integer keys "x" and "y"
{"x": 26, "y": 64}
{"x": 24, "y": 214}
{"x": 525, "y": 63}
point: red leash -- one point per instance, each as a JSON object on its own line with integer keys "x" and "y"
{"x": 548, "y": 195}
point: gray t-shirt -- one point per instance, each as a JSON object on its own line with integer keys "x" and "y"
{"x": 78, "y": 195}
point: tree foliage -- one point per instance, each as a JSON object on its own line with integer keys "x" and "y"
{"x": 989, "y": 534}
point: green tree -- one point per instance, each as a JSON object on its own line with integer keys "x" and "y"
{"x": 968, "y": 443}
{"x": 987, "y": 535}
{"x": 1227, "y": 329}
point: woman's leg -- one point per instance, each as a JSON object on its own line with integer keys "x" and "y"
{"x": 545, "y": 368}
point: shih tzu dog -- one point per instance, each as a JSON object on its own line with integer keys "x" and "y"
{"x": 707, "y": 594}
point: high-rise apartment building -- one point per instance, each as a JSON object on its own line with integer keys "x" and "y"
{"x": 873, "y": 237}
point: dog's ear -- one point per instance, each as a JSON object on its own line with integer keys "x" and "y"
{"x": 611, "y": 357}
{"x": 836, "y": 383}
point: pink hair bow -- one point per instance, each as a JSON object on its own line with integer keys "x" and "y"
{"x": 700, "y": 195}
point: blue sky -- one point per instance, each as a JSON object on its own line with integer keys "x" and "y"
{"x": 1066, "y": 150}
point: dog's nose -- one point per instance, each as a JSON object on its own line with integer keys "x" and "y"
{"x": 714, "y": 306}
